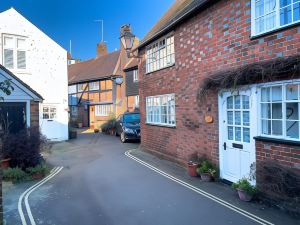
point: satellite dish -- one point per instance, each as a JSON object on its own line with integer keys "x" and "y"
{"x": 119, "y": 80}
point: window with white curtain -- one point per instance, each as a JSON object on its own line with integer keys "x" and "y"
{"x": 14, "y": 52}
{"x": 160, "y": 54}
{"x": 279, "y": 112}
{"x": 160, "y": 110}
{"x": 137, "y": 101}
{"x": 103, "y": 110}
{"x": 268, "y": 15}
{"x": 135, "y": 76}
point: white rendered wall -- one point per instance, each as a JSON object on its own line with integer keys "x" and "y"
{"x": 46, "y": 70}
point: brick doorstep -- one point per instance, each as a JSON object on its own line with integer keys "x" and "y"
{"x": 218, "y": 189}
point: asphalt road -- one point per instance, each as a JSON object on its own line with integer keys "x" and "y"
{"x": 99, "y": 185}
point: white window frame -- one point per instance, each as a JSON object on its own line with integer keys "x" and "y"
{"x": 15, "y": 50}
{"x": 136, "y": 101}
{"x": 51, "y": 114}
{"x": 103, "y": 110}
{"x": 93, "y": 86}
{"x": 277, "y": 18}
{"x": 80, "y": 87}
{"x": 283, "y": 84}
{"x": 72, "y": 89}
{"x": 135, "y": 76}
{"x": 153, "y": 103}
{"x": 159, "y": 55}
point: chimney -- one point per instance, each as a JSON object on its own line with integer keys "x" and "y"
{"x": 101, "y": 49}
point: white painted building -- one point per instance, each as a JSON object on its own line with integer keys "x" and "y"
{"x": 42, "y": 64}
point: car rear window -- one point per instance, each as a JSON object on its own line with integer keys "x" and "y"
{"x": 135, "y": 117}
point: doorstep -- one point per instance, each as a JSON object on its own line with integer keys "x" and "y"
{"x": 218, "y": 189}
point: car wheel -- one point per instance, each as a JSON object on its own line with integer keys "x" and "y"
{"x": 122, "y": 137}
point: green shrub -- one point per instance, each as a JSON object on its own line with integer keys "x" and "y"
{"x": 207, "y": 167}
{"x": 41, "y": 168}
{"x": 245, "y": 186}
{"x": 14, "y": 174}
{"x": 110, "y": 124}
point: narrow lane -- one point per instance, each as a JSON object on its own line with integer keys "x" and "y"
{"x": 100, "y": 185}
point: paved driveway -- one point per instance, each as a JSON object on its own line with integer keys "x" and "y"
{"x": 99, "y": 185}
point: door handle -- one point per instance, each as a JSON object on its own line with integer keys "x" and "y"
{"x": 224, "y": 145}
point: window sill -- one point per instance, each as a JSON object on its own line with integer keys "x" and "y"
{"x": 253, "y": 37}
{"x": 161, "y": 125}
{"x": 277, "y": 140}
{"x": 171, "y": 65}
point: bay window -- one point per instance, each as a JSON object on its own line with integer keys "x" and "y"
{"x": 279, "y": 112}
{"x": 268, "y": 15}
{"x": 160, "y": 110}
{"x": 160, "y": 54}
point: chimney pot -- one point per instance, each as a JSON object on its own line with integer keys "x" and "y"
{"x": 101, "y": 49}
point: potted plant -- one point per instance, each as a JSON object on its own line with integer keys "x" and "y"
{"x": 38, "y": 171}
{"x": 245, "y": 190}
{"x": 5, "y": 163}
{"x": 206, "y": 170}
{"x": 192, "y": 165}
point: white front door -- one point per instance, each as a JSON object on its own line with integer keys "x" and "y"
{"x": 237, "y": 113}
{"x": 50, "y": 125}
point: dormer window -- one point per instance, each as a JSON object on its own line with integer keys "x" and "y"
{"x": 160, "y": 54}
{"x": 14, "y": 52}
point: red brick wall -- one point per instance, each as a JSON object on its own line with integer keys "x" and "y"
{"x": 34, "y": 114}
{"x": 215, "y": 39}
{"x": 285, "y": 155}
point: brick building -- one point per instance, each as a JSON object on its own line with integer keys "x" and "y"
{"x": 220, "y": 78}
{"x": 97, "y": 87}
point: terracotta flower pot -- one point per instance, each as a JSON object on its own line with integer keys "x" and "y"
{"x": 5, "y": 163}
{"x": 37, "y": 176}
{"x": 192, "y": 169}
{"x": 244, "y": 196}
{"x": 206, "y": 177}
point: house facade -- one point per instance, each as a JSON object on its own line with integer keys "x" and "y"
{"x": 42, "y": 64}
{"x": 97, "y": 87}
{"x": 132, "y": 85}
{"x": 20, "y": 109}
{"x": 220, "y": 78}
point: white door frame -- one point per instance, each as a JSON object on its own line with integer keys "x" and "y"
{"x": 254, "y": 120}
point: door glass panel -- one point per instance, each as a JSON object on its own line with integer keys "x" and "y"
{"x": 246, "y": 118}
{"x": 237, "y": 102}
{"x": 230, "y": 133}
{"x": 246, "y": 135}
{"x": 237, "y": 133}
{"x": 230, "y": 102}
{"x": 230, "y": 117}
{"x": 237, "y": 118}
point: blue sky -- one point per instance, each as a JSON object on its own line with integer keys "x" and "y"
{"x": 65, "y": 20}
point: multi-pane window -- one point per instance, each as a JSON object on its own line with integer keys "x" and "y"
{"x": 160, "y": 54}
{"x": 268, "y": 15}
{"x": 103, "y": 110}
{"x": 135, "y": 76}
{"x": 280, "y": 111}
{"x": 49, "y": 112}
{"x": 160, "y": 110}
{"x": 94, "y": 86}
{"x": 238, "y": 118}
{"x": 14, "y": 52}
{"x": 105, "y": 85}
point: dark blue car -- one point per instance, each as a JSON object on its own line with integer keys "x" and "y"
{"x": 128, "y": 126}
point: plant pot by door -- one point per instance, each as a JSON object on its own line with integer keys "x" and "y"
{"x": 37, "y": 176}
{"x": 206, "y": 177}
{"x": 244, "y": 196}
{"x": 5, "y": 163}
{"x": 192, "y": 169}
